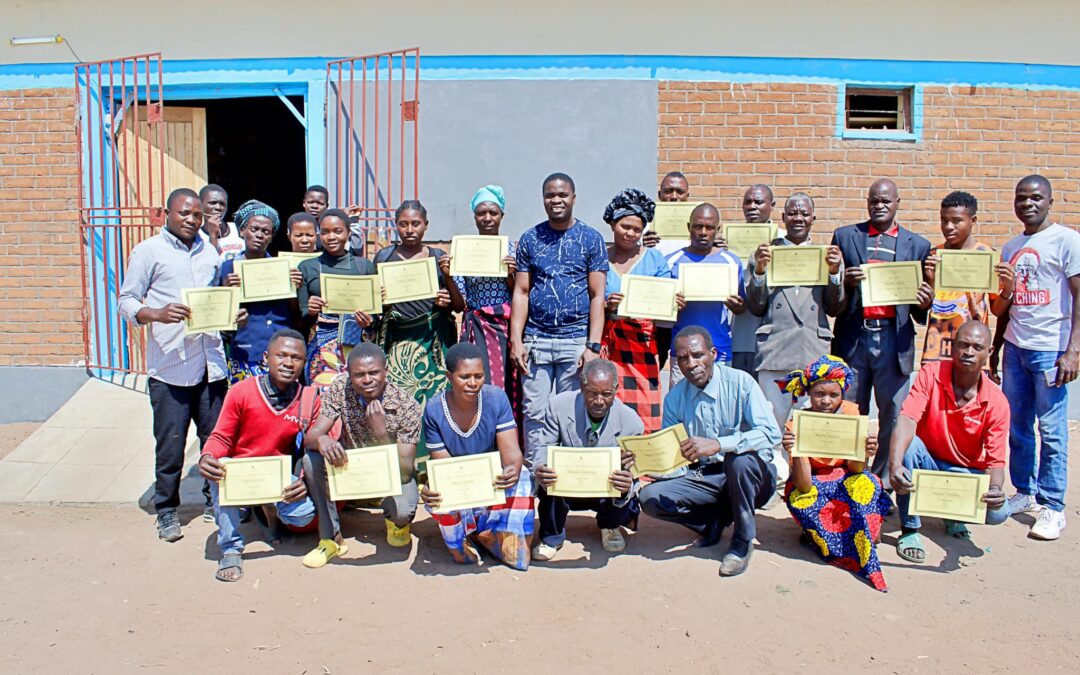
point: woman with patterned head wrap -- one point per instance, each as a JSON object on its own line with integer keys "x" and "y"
{"x": 486, "y": 321}
{"x": 257, "y": 224}
{"x": 838, "y": 503}
{"x": 631, "y": 343}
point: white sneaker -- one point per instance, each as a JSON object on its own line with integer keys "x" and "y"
{"x": 1021, "y": 503}
{"x": 543, "y": 552}
{"x": 1048, "y": 525}
{"x": 612, "y": 539}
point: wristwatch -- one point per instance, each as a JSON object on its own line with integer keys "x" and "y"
{"x": 593, "y": 347}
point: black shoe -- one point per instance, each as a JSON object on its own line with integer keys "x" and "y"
{"x": 168, "y": 527}
{"x": 711, "y": 537}
{"x": 733, "y": 565}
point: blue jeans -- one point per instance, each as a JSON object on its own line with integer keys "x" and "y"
{"x": 553, "y": 369}
{"x": 1030, "y": 399}
{"x": 919, "y": 457}
{"x": 229, "y": 538}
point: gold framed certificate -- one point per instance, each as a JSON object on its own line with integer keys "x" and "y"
{"x": 466, "y": 482}
{"x": 296, "y": 257}
{"x": 649, "y": 298}
{"x": 891, "y": 283}
{"x": 583, "y": 472}
{"x": 346, "y": 293}
{"x": 478, "y": 256}
{"x": 944, "y": 494}
{"x": 408, "y": 280}
{"x": 797, "y": 266}
{"x": 744, "y": 238}
{"x": 671, "y": 220}
{"x": 708, "y": 281}
{"x": 656, "y": 453}
{"x": 212, "y": 309}
{"x": 967, "y": 270}
{"x": 255, "y": 480}
{"x": 370, "y": 473}
{"x": 266, "y": 279}
{"x": 829, "y": 436}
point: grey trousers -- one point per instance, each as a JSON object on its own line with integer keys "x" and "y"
{"x": 399, "y": 510}
{"x": 553, "y": 369}
{"x": 878, "y": 372}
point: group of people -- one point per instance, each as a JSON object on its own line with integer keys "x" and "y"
{"x": 543, "y": 357}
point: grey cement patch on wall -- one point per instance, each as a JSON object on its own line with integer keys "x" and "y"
{"x": 34, "y": 393}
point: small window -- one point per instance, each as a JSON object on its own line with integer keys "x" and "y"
{"x": 882, "y": 110}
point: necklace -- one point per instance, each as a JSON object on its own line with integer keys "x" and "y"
{"x": 476, "y": 421}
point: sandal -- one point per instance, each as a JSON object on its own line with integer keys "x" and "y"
{"x": 957, "y": 529}
{"x": 327, "y": 550}
{"x": 230, "y": 561}
{"x": 911, "y": 542}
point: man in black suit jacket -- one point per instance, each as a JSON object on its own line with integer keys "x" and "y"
{"x": 879, "y": 342}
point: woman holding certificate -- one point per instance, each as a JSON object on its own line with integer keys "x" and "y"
{"x": 630, "y": 343}
{"x": 326, "y": 351}
{"x": 468, "y": 422}
{"x": 837, "y": 502}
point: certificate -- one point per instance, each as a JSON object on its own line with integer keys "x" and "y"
{"x": 295, "y": 257}
{"x": 255, "y": 480}
{"x": 891, "y": 283}
{"x": 708, "y": 281}
{"x": 744, "y": 238}
{"x": 649, "y": 298}
{"x": 212, "y": 309}
{"x": 829, "y": 436}
{"x": 266, "y": 279}
{"x": 583, "y": 472}
{"x": 671, "y": 220}
{"x": 369, "y": 473}
{"x": 962, "y": 270}
{"x": 797, "y": 266}
{"x": 944, "y": 494}
{"x": 345, "y": 293}
{"x": 658, "y": 452}
{"x": 409, "y": 280}
{"x": 478, "y": 256}
{"x": 466, "y": 482}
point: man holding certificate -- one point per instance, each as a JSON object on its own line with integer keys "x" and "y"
{"x": 732, "y": 433}
{"x": 371, "y": 412}
{"x": 878, "y": 342}
{"x": 590, "y": 418}
{"x": 957, "y": 420}
{"x": 757, "y": 207}
{"x": 259, "y": 419}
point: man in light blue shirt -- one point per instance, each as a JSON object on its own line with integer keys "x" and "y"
{"x": 732, "y": 433}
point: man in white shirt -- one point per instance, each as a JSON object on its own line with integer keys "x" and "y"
{"x": 222, "y": 234}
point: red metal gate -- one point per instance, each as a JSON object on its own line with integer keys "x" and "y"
{"x": 372, "y": 132}
{"x": 121, "y": 196}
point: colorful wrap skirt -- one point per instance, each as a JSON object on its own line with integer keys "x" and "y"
{"x": 325, "y": 353}
{"x": 489, "y": 327}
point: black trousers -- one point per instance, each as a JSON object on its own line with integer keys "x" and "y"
{"x": 552, "y": 512}
{"x": 174, "y": 409}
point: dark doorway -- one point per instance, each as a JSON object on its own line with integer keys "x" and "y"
{"x": 256, "y": 149}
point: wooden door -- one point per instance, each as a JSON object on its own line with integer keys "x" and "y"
{"x": 184, "y": 146}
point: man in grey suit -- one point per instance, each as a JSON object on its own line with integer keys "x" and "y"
{"x": 794, "y": 328}
{"x": 879, "y": 342}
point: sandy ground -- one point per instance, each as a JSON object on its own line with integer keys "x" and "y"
{"x": 11, "y": 435}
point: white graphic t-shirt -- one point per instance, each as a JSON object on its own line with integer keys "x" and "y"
{"x": 232, "y": 246}
{"x": 1040, "y": 318}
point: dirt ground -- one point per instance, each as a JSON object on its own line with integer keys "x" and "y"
{"x": 11, "y": 435}
{"x": 92, "y": 590}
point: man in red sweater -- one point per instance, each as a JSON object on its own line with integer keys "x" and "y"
{"x": 259, "y": 418}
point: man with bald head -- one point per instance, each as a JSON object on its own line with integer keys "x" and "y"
{"x": 714, "y": 316}
{"x": 879, "y": 342}
{"x": 955, "y": 419}
{"x": 757, "y": 207}
{"x": 674, "y": 187}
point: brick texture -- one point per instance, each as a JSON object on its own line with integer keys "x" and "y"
{"x": 40, "y": 288}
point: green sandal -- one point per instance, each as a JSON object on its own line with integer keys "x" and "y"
{"x": 911, "y": 542}
{"x": 957, "y": 530}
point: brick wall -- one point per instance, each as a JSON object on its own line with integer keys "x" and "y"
{"x": 40, "y": 287}
{"x": 726, "y": 136}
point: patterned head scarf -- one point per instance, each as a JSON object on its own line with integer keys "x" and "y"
{"x": 489, "y": 193}
{"x": 831, "y": 368}
{"x": 630, "y": 202}
{"x": 252, "y": 208}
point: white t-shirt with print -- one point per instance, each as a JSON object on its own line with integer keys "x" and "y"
{"x": 1040, "y": 318}
{"x": 231, "y": 246}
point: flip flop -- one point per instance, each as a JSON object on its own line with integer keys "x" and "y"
{"x": 230, "y": 561}
{"x": 957, "y": 530}
{"x": 911, "y": 541}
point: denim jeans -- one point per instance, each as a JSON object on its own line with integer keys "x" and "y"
{"x": 1030, "y": 400}
{"x": 919, "y": 457}
{"x": 553, "y": 369}
{"x": 229, "y": 538}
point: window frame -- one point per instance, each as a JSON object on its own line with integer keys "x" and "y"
{"x": 913, "y": 134}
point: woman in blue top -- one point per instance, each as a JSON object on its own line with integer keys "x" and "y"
{"x": 631, "y": 343}
{"x": 470, "y": 418}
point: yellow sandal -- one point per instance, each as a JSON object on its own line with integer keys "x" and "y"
{"x": 327, "y": 550}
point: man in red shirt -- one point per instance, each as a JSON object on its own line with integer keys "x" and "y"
{"x": 954, "y": 419}
{"x": 259, "y": 418}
